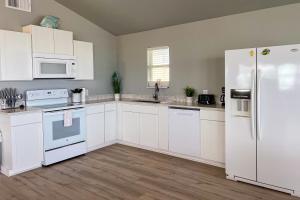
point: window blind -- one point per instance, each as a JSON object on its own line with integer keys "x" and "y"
{"x": 158, "y": 66}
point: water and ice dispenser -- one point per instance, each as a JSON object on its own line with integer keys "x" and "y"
{"x": 240, "y": 102}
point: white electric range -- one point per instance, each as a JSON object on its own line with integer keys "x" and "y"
{"x": 64, "y": 124}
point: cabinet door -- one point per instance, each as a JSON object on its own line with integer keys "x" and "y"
{"x": 42, "y": 40}
{"x": 213, "y": 140}
{"x": 163, "y": 136}
{"x": 63, "y": 42}
{"x": 130, "y": 127}
{"x": 95, "y": 130}
{"x": 149, "y": 130}
{"x": 16, "y": 56}
{"x": 84, "y": 53}
{"x": 27, "y": 147}
{"x": 110, "y": 126}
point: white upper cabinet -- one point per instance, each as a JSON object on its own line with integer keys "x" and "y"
{"x": 63, "y": 42}
{"x": 84, "y": 53}
{"x": 42, "y": 39}
{"x": 50, "y": 41}
{"x": 15, "y": 56}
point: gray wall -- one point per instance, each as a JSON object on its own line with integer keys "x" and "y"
{"x": 105, "y": 48}
{"x": 197, "y": 49}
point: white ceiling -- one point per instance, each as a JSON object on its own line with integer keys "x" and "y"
{"x": 129, "y": 16}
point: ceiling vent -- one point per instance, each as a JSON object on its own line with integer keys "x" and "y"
{"x": 24, "y": 5}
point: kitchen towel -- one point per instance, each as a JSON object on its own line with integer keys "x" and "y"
{"x": 68, "y": 118}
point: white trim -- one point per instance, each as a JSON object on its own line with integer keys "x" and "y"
{"x": 94, "y": 148}
{"x": 9, "y": 172}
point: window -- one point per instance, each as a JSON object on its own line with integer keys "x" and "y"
{"x": 24, "y": 5}
{"x": 158, "y": 66}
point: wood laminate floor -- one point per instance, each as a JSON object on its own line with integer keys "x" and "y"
{"x": 120, "y": 172}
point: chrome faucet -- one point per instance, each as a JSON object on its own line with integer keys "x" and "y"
{"x": 156, "y": 91}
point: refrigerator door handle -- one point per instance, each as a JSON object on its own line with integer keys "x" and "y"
{"x": 259, "y": 136}
{"x": 253, "y": 105}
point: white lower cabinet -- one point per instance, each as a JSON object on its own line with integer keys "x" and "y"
{"x": 163, "y": 128}
{"x": 28, "y": 146}
{"x": 101, "y": 125}
{"x": 130, "y": 127}
{"x": 140, "y": 124}
{"x": 149, "y": 130}
{"x": 186, "y": 133}
{"x": 110, "y": 126}
{"x": 22, "y": 146}
{"x": 213, "y": 136}
{"x": 95, "y": 130}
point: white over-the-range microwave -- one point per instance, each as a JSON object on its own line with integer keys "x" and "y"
{"x": 48, "y": 66}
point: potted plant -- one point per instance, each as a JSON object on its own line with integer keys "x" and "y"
{"x": 76, "y": 95}
{"x": 189, "y": 93}
{"x": 116, "y": 83}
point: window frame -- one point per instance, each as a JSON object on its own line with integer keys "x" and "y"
{"x": 151, "y": 84}
{"x": 18, "y": 8}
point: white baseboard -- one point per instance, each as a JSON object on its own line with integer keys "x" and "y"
{"x": 94, "y": 148}
{"x": 201, "y": 160}
{"x": 9, "y": 173}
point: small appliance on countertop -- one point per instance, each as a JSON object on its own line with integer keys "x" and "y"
{"x": 64, "y": 124}
{"x": 206, "y": 99}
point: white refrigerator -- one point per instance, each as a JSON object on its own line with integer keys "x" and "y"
{"x": 263, "y": 117}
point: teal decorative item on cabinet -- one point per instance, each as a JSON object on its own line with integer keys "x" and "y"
{"x": 50, "y": 22}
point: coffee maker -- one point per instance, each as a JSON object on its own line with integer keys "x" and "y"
{"x": 222, "y": 98}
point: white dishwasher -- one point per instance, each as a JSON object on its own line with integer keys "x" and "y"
{"x": 184, "y": 131}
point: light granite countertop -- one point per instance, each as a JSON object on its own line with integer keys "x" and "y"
{"x": 133, "y": 101}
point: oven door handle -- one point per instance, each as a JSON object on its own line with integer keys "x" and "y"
{"x": 61, "y": 112}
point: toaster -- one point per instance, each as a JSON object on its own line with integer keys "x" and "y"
{"x": 207, "y": 99}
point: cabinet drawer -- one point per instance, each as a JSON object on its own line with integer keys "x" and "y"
{"x": 140, "y": 108}
{"x": 212, "y": 115}
{"x": 94, "y": 109}
{"x": 28, "y": 118}
{"x": 110, "y": 107}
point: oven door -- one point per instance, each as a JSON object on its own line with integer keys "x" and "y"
{"x": 57, "y": 135}
{"x": 53, "y": 68}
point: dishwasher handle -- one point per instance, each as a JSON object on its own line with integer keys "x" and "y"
{"x": 183, "y": 108}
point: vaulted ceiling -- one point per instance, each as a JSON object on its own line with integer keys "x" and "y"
{"x": 129, "y": 16}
